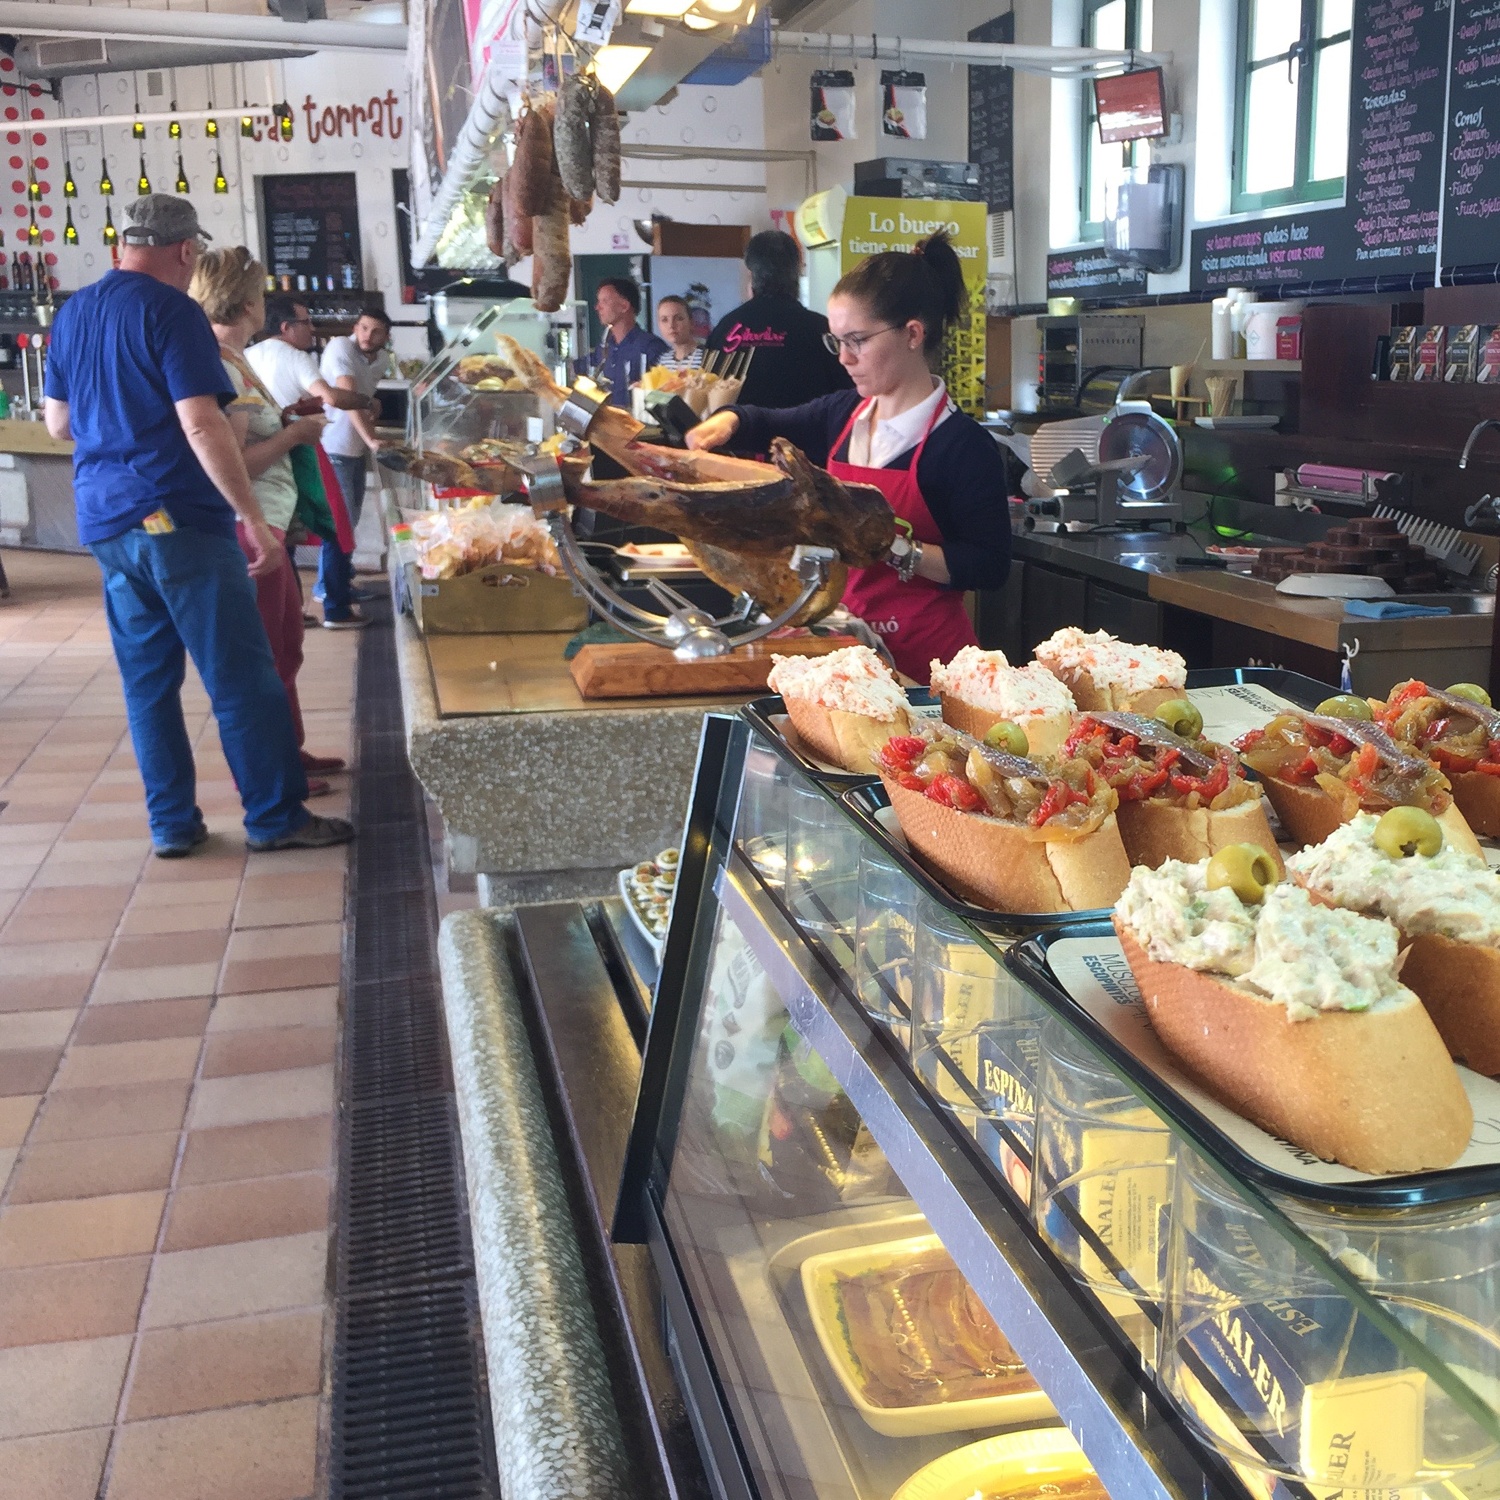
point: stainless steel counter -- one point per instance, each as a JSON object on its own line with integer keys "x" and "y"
{"x": 1124, "y": 560}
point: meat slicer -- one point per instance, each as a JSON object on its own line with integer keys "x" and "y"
{"x": 1119, "y": 471}
{"x": 681, "y": 627}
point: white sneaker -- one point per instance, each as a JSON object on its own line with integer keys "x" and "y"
{"x": 354, "y": 622}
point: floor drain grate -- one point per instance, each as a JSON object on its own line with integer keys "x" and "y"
{"x": 410, "y": 1407}
{"x": 404, "y": 1415}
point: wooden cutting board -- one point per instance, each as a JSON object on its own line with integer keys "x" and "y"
{"x": 638, "y": 670}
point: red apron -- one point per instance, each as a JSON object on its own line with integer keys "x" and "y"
{"x": 919, "y": 621}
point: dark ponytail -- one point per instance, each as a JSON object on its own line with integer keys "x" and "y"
{"x": 926, "y": 283}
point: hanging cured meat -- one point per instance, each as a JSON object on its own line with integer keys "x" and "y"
{"x": 606, "y": 137}
{"x": 572, "y": 136}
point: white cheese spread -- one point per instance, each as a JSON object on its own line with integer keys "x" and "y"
{"x": 985, "y": 679}
{"x": 854, "y": 681}
{"x": 1452, "y": 893}
{"x": 1309, "y": 957}
{"x": 1111, "y": 662}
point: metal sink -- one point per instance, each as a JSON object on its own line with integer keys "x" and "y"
{"x": 1457, "y": 604}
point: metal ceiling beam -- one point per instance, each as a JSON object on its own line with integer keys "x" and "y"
{"x": 28, "y": 18}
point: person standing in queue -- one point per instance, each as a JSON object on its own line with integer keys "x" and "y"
{"x": 899, "y": 430}
{"x": 791, "y": 364}
{"x": 626, "y": 351}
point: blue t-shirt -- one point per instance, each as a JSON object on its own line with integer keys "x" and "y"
{"x": 123, "y": 351}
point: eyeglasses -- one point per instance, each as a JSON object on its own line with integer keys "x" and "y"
{"x": 854, "y": 342}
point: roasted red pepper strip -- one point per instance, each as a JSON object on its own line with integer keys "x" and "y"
{"x": 1142, "y": 785}
{"x": 1305, "y": 770}
{"x": 1399, "y": 700}
{"x": 1488, "y": 768}
{"x": 1059, "y": 796}
{"x": 1208, "y": 787}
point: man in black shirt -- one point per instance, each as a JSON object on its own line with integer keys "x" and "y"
{"x": 791, "y": 364}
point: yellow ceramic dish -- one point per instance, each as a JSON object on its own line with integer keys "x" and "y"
{"x": 1017, "y": 1464}
{"x": 820, "y": 1278}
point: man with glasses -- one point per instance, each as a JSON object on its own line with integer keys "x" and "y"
{"x": 136, "y": 382}
{"x": 791, "y": 364}
{"x": 289, "y": 370}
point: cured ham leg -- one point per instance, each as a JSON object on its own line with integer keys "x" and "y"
{"x": 761, "y": 513}
{"x": 770, "y": 581}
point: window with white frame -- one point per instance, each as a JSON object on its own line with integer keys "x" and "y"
{"x": 1119, "y": 25}
{"x": 1291, "y": 139}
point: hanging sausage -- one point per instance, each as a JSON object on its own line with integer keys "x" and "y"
{"x": 606, "y": 138}
{"x": 571, "y": 136}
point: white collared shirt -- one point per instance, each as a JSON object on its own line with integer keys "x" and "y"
{"x": 890, "y": 439}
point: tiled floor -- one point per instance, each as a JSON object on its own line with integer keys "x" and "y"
{"x": 167, "y": 1041}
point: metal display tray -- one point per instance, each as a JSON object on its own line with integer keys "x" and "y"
{"x": 1029, "y": 961}
{"x": 764, "y": 713}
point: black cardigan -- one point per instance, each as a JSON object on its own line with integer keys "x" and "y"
{"x": 962, "y": 477}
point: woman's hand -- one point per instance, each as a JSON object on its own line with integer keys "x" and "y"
{"x": 306, "y": 430}
{"x": 714, "y": 431}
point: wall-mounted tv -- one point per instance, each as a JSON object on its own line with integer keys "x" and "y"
{"x": 1131, "y": 106}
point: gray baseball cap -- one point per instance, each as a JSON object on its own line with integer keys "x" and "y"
{"x": 161, "y": 219}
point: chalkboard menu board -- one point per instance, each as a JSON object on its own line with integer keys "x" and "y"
{"x": 1471, "y": 202}
{"x": 1388, "y": 225}
{"x": 1084, "y": 273}
{"x": 992, "y": 118}
{"x": 310, "y": 221}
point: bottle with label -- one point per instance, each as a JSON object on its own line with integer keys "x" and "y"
{"x": 7, "y": 352}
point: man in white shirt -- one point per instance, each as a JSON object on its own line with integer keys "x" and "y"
{"x": 287, "y": 367}
{"x": 351, "y": 365}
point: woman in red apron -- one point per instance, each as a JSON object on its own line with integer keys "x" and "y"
{"x": 899, "y": 431}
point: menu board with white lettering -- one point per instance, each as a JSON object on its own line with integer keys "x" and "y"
{"x": 1471, "y": 205}
{"x": 992, "y": 118}
{"x": 1084, "y": 273}
{"x": 1388, "y": 224}
{"x": 310, "y": 221}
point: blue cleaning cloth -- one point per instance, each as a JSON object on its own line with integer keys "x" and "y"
{"x": 1391, "y": 609}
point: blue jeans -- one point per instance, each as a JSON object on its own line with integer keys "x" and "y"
{"x": 335, "y": 567}
{"x": 189, "y": 593}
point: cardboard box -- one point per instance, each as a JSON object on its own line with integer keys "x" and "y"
{"x": 500, "y": 599}
{"x": 1403, "y": 344}
{"x": 1461, "y": 361}
{"x": 1429, "y": 352}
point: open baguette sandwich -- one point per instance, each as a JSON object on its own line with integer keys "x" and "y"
{"x": 980, "y": 691}
{"x": 1181, "y": 796}
{"x": 1444, "y": 902}
{"x": 1102, "y": 672}
{"x": 844, "y": 706}
{"x": 1459, "y": 731}
{"x": 1004, "y": 831}
{"x": 1292, "y": 1013}
{"x": 1319, "y": 769}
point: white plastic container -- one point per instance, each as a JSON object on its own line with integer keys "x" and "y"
{"x": 1260, "y": 327}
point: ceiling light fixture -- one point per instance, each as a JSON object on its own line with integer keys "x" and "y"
{"x": 671, "y": 9}
{"x": 616, "y": 64}
{"x": 723, "y": 12}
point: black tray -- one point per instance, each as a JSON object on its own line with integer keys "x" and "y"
{"x": 1296, "y": 687}
{"x": 866, "y": 802}
{"x": 1028, "y": 961}
{"x": 759, "y": 713}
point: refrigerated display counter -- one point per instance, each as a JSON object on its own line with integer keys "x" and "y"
{"x": 890, "y": 1197}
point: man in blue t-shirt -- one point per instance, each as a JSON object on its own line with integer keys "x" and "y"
{"x": 135, "y": 380}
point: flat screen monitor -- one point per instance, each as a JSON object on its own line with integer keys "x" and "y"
{"x": 1131, "y": 106}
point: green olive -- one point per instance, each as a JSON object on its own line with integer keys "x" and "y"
{"x": 1473, "y": 692}
{"x": 1345, "y": 706}
{"x": 1405, "y": 831}
{"x": 1247, "y": 869}
{"x": 1181, "y": 718}
{"x": 1006, "y": 736}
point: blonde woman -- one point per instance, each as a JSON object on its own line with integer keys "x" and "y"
{"x": 229, "y": 286}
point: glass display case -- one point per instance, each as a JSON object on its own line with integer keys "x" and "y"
{"x": 466, "y": 395}
{"x": 900, "y": 1201}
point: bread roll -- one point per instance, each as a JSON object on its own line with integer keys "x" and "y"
{"x": 842, "y": 739}
{"x": 1309, "y": 815}
{"x": 1155, "y": 831}
{"x": 1459, "y": 983}
{"x": 1477, "y": 797}
{"x": 1375, "y": 1090}
{"x": 1044, "y": 735}
{"x": 1008, "y": 867}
